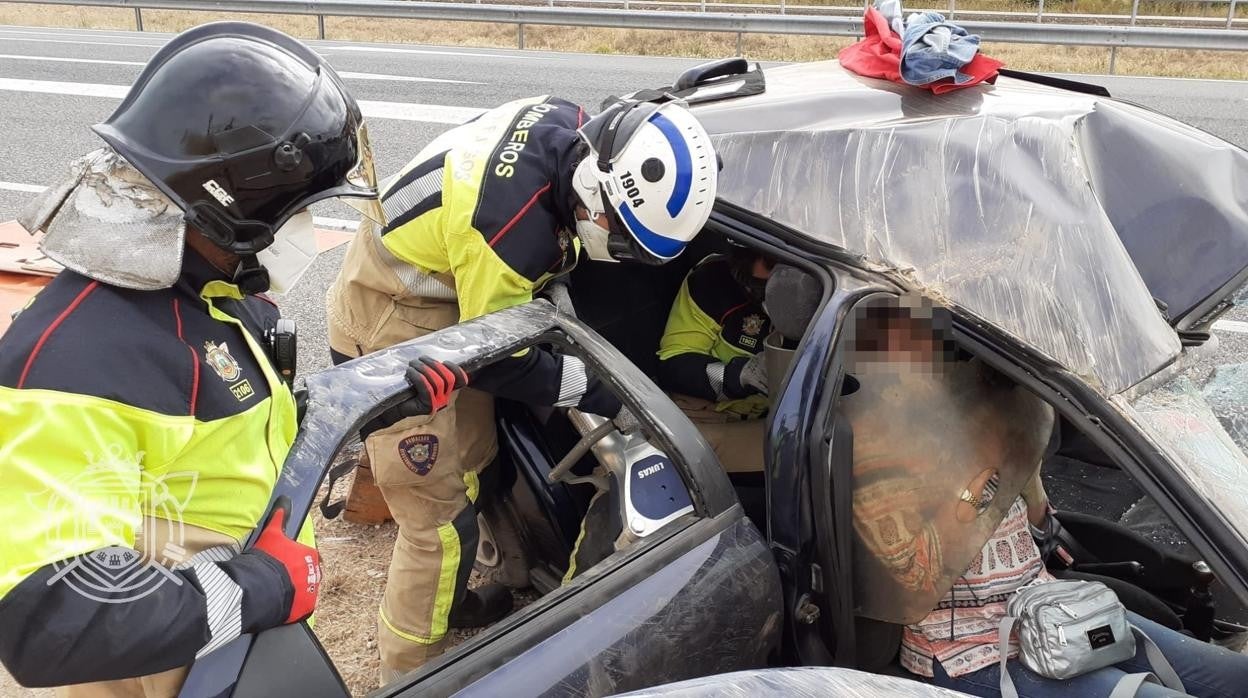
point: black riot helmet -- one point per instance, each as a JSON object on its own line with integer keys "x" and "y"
{"x": 243, "y": 126}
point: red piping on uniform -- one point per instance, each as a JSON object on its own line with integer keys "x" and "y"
{"x": 30, "y": 360}
{"x": 732, "y": 310}
{"x": 580, "y": 116}
{"x": 177, "y": 316}
{"x": 519, "y": 215}
{"x": 266, "y": 299}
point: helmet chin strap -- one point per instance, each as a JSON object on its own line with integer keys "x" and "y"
{"x": 251, "y": 277}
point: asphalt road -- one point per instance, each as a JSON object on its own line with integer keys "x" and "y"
{"x": 55, "y": 83}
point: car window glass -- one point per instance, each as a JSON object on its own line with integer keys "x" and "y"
{"x": 1203, "y": 432}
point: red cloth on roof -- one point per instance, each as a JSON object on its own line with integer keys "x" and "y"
{"x": 878, "y": 55}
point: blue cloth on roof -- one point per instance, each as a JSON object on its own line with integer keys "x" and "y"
{"x": 891, "y": 9}
{"x": 933, "y": 49}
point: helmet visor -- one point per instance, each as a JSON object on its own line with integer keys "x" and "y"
{"x": 363, "y": 177}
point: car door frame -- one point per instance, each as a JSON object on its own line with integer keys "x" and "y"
{"x": 811, "y": 633}
{"x": 718, "y": 539}
{"x": 1092, "y": 414}
{"x": 820, "y": 629}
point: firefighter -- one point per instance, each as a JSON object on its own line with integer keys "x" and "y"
{"x": 142, "y": 420}
{"x": 711, "y": 354}
{"x": 481, "y": 219}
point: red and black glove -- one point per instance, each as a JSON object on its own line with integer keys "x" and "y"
{"x": 302, "y": 564}
{"x": 432, "y": 384}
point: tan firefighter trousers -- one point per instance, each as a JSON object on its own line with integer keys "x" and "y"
{"x": 738, "y": 443}
{"x": 426, "y": 469}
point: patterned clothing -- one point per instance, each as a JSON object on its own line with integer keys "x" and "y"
{"x": 962, "y": 630}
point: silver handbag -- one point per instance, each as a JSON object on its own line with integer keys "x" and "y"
{"x": 1068, "y": 628}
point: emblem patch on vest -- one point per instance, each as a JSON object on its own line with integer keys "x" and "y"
{"x": 221, "y": 361}
{"x": 752, "y": 324}
{"x": 419, "y": 453}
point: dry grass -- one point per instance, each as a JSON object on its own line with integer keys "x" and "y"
{"x": 1169, "y": 63}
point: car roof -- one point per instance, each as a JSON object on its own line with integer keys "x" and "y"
{"x": 1056, "y": 216}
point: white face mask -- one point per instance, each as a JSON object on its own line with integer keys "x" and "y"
{"x": 292, "y": 252}
{"x": 594, "y": 238}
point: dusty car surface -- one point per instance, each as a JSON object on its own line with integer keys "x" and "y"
{"x": 1083, "y": 245}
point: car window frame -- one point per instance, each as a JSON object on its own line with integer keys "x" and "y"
{"x": 716, "y": 508}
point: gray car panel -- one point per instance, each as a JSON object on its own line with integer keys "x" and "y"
{"x": 1002, "y": 200}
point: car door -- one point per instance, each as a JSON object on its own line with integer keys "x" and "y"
{"x": 649, "y": 614}
{"x": 811, "y": 447}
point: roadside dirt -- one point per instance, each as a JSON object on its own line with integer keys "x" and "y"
{"x": 355, "y": 558}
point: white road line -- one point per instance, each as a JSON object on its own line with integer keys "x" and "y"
{"x": 1231, "y": 326}
{"x": 402, "y": 111}
{"x": 25, "y": 188}
{"x": 339, "y": 223}
{"x": 83, "y": 33}
{"x": 78, "y": 43}
{"x": 344, "y": 74}
{"x": 404, "y": 78}
{"x": 428, "y": 113}
{"x": 53, "y": 87}
{"x": 336, "y": 223}
{"x": 57, "y": 59}
{"x": 426, "y": 52}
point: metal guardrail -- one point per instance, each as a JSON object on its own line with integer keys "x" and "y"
{"x": 1031, "y": 32}
{"x": 951, "y": 11}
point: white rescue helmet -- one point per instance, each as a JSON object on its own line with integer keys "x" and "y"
{"x": 652, "y": 169}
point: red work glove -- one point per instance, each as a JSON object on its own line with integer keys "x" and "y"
{"x": 302, "y": 563}
{"x": 432, "y": 384}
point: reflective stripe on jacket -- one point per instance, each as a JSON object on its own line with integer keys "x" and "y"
{"x": 482, "y": 215}
{"x": 116, "y": 405}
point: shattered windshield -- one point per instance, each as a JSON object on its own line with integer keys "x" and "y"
{"x": 1203, "y": 430}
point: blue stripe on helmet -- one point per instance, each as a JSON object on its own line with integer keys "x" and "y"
{"x": 684, "y": 163}
{"x": 657, "y": 244}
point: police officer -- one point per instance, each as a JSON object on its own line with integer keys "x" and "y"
{"x": 481, "y": 219}
{"x": 711, "y": 354}
{"x": 142, "y": 421}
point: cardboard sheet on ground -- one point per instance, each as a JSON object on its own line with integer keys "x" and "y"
{"x": 938, "y": 460}
{"x": 24, "y": 270}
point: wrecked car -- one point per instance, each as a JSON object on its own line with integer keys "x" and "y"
{"x": 1083, "y": 246}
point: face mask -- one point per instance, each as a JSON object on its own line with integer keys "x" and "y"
{"x": 594, "y": 238}
{"x": 292, "y": 252}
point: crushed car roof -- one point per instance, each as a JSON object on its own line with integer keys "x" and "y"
{"x": 1057, "y": 216}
